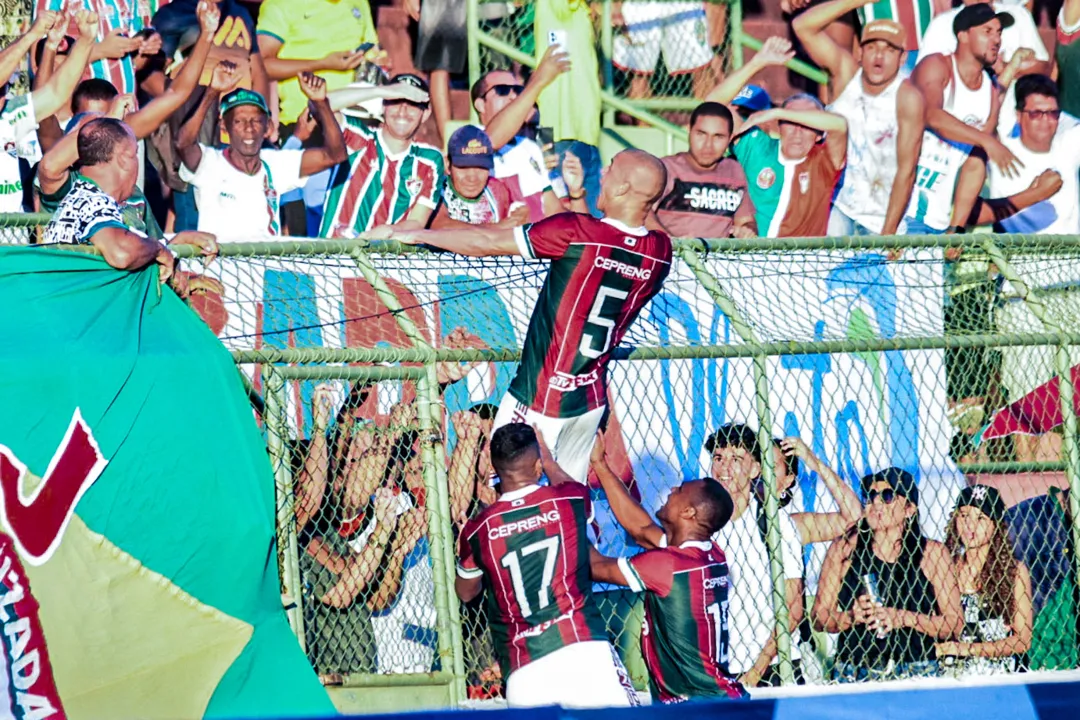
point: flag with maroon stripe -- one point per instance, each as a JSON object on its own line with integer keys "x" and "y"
{"x": 1036, "y": 413}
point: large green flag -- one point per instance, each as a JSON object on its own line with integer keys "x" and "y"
{"x": 136, "y": 489}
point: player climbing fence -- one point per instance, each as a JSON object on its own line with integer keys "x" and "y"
{"x": 376, "y": 370}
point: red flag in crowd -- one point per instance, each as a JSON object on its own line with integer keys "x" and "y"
{"x": 1036, "y": 413}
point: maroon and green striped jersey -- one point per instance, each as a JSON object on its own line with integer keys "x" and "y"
{"x": 685, "y": 635}
{"x": 602, "y": 275}
{"x": 376, "y": 187}
{"x": 532, "y": 551}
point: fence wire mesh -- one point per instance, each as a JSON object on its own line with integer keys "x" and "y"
{"x": 866, "y": 371}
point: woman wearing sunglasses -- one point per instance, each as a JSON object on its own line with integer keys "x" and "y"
{"x": 995, "y": 589}
{"x": 886, "y": 589}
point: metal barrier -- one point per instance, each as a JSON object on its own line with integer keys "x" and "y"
{"x": 379, "y": 365}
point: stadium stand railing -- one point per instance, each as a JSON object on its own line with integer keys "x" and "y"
{"x": 870, "y": 349}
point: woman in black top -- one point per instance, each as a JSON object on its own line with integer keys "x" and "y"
{"x": 888, "y": 591}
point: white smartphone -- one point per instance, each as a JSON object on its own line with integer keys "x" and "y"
{"x": 558, "y": 37}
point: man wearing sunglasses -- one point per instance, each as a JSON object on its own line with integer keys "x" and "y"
{"x": 389, "y": 178}
{"x": 1046, "y": 141}
{"x": 504, "y": 106}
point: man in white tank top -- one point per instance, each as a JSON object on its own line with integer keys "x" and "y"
{"x": 885, "y": 119}
{"x": 962, "y": 104}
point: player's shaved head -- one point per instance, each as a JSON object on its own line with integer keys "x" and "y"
{"x": 647, "y": 175}
{"x": 630, "y": 186}
{"x": 515, "y": 456}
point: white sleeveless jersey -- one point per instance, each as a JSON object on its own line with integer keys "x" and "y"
{"x": 941, "y": 159}
{"x": 871, "y": 153}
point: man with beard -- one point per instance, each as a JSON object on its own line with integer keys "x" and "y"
{"x": 706, "y": 194}
{"x": 238, "y": 189}
{"x": 885, "y": 119}
{"x": 962, "y": 104}
{"x": 389, "y": 178}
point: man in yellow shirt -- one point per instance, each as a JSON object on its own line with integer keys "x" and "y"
{"x": 571, "y": 104}
{"x": 319, "y": 36}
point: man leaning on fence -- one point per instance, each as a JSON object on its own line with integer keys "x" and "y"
{"x": 603, "y": 273}
{"x": 706, "y": 194}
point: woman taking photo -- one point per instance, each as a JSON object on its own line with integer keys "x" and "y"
{"x": 888, "y": 591}
{"x": 995, "y": 589}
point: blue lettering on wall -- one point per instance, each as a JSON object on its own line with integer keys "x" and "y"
{"x": 289, "y": 304}
{"x": 848, "y": 423}
{"x": 664, "y": 309}
{"x": 868, "y": 277}
{"x": 462, "y": 299}
{"x": 818, "y": 366}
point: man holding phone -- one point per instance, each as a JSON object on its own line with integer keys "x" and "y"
{"x": 571, "y": 103}
{"x": 505, "y": 105}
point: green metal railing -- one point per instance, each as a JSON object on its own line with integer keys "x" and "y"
{"x": 279, "y": 366}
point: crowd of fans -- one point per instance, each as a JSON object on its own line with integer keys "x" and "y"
{"x": 282, "y": 118}
{"x": 215, "y": 120}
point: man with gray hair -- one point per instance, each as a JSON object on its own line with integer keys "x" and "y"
{"x": 792, "y": 175}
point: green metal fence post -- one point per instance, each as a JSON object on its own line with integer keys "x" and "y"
{"x": 773, "y": 539}
{"x": 472, "y": 23}
{"x": 1034, "y": 302}
{"x": 277, "y": 430}
{"x": 736, "y": 44}
{"x": 440, "y": 534}
{"x": 607, "y": 42}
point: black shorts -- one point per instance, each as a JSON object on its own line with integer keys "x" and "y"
{"x": 442, "y": 40}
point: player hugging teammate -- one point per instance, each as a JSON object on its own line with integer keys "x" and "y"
{"x": 530, "y": 549}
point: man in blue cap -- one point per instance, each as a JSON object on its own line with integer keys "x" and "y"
{"x": 471, "y": 195}
{"x": 751, "y": 99}
{"x": 238, "y": 189}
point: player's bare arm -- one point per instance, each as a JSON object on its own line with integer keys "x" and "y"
{"x": 468, "y": 588}
{"x": 477, "y": 241}
{"x": 605, "y": 569}
{"x": 628, "y": 511}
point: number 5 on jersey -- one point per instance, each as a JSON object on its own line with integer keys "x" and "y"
{"x": 513, "y": 561}
{"x": 599, "y": 318}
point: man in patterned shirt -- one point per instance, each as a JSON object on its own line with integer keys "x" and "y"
{"x": 91, "y": 212}
{"x": 685, "y": 580}
{"x": 388, "y": 179}
{"x": 530, "y": 552}
{"x": 603, "y": 273}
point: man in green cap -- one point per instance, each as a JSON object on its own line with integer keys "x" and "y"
{"x": 238, "y": 189}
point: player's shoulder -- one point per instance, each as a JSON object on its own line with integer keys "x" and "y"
{"x": 564, "y": 491}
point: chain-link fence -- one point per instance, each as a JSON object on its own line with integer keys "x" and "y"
{"x": 902, "y": 486}
{"x": 870, "y": 363}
